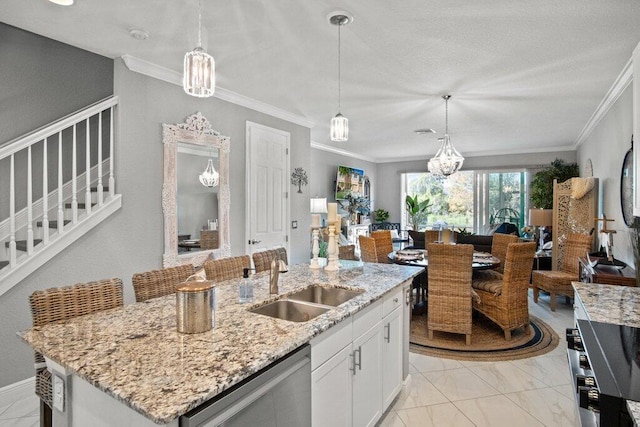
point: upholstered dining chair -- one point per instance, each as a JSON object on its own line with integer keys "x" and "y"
{"x": 449, "y": 302}
{"x": 505, "y": 299}
{"x": 499, "y": 245}
{"x": 347, "y": 252}
{"x": 158, "y": 283}
{"x": 262, "y": 260}
{"x": 63, "y": 303}
{"x": 384, "y": 245}
{"x": 558, "y": 282}
{"x": 368, "y": 249}
{"x": 223, "y": 269}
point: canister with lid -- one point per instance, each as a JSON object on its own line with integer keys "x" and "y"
{"x": 195, "y": 305}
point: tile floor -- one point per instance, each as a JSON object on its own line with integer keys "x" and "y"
{"x": 442, "y": 392}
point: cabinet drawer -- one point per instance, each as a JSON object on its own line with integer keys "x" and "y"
{"x": 392, "y": 301}
{"x": 330, "y": 342}
{"x": 367, "y": 318}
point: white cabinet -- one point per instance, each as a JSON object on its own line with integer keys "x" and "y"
{"x": 636, "y": 129}
{"x": 391, "y": 356}
{"x": 356, "y": 377}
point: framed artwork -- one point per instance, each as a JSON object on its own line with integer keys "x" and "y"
{"x": 349, "y": 181}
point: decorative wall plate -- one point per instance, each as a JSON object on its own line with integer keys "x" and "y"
{"x": 626, "y": 186}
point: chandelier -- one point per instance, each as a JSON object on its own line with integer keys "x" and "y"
{"x": 199, "y": 77}
{"x": 447, "y": 160}
{"x": 339, "y": 124}
{"x": 209, "y": 178}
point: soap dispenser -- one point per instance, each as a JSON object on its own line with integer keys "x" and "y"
{"x": 246, "y": 287}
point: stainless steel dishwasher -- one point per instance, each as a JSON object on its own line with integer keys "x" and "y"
{"x": 277, "y": 396}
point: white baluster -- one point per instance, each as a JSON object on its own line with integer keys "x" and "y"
{"x": 74, "y": 180}
{"x": 45, "y": 194}
{"x": 12, "y": 213}
{"x": 29, "y": 203}
{"x": 100, "y": 189}
{"x": 60, "y": 188}
{"x": 87, "y": 171}
{"x": 112, "y": 181}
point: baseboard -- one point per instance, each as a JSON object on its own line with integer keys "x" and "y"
{"x": 18, "y": 390}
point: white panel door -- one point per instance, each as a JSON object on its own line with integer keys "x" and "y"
{"x": 268, "y": 185}
{"x": 367, "y": 381}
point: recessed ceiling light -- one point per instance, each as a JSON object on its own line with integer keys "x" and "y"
{"x": 424, "y": 131}
{"x": 138, "y": 34}
{"x": 62, "y": 2}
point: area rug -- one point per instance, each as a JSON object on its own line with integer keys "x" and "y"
{"x": 487, "y": 341}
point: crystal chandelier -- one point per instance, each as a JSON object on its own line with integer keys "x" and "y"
{"x": 209, "y": 178}
{"x": 199, "y": 78}
{"x": 447, "y": 160}
{"x": 339, "y": 124}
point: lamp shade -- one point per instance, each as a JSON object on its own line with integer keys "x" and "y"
{"x": 199, "y": 78}
{"x": 540, "y": 217}
{"x": 318, "y": 205}
{"x": 339, "y": 128}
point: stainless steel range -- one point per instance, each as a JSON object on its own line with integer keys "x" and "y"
{"x": 605, "y": 363}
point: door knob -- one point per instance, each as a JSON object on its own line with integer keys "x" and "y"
{"x": 253, "y": 242}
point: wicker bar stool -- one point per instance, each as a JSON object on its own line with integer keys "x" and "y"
{"x": 60, "y": 304}
{"x": 499, "y": 245}
{"x": 158, "y": 283}
{"x": 384, "y": 245}
{"x": 505, "y": 300}
{"x": 347, "y": 252}
{"x": 262, "y": 260}
{"x": 559, "y": 281}
{"x": 449, "y": 303}
{"x": 367, "y": 249}
{"x": 223, "y": 269}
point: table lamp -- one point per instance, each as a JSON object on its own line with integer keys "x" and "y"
{"x": 540, "y": 218}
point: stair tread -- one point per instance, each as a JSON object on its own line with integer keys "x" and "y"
{"x": 80, "y": 205}
{"x": 21, "y": 245}
{"x": 54, "y": 223}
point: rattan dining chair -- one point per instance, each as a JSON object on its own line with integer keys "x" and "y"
{"x": 209, "y": 239}
{"x": 367, "y": 249}
{"x": 262, "y": 260}
{"x": 384, "y": 245}
{"x": 222, "y": 269}
{"x": 158, "y": 283}
{"x": 449, "y": 301}
{"x": 558, "y": 282}
{"x": 505, "y": 300}
{"x": 60, "y": 304}
{"x": 499, "y": 245}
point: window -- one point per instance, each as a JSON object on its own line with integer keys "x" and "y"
{"x": 473, "y": 200}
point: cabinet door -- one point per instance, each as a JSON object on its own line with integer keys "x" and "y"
{"x": 331, "y": 391}
{"x": 367, "y": 378}
{"x": 391, "y": 357}
{"x": 636, "y": 129}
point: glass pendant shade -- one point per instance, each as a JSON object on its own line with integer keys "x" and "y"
{"x": 447, "y": 160}
{"x": 209, "y": 178}
{"x": 199, "y": 73}
{"x": 339, "y": 128}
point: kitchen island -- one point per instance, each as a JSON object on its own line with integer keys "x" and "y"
{"x": 136, "y": 356}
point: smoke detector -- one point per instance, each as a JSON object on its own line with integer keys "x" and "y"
{"x": 138, "y": 34}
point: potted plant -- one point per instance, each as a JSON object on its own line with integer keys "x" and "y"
{"x": 417, "y": 210}
{"x": 542, "y": 183}
{"x": 380, "y": 215}
{"x": 354, "y": 205}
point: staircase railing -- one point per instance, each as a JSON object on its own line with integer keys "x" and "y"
{"x": 89, "y": 132}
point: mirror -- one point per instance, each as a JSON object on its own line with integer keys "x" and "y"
{"x": 196, "y": 209}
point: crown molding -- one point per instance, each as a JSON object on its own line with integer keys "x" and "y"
{"x": 345, "y": 153}
{"x": 170, "y": 76}
{"x": 619, "y": 85}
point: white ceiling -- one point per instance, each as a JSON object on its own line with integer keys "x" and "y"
{"x": 524, "y": 76}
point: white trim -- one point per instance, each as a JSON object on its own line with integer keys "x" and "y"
{"x": 170, "y": 76}
{"x": 26, "y": 265}
{"x": 18, "y": 390}
{"x": 623, "y": 80}
{"x": 345, "y": 153}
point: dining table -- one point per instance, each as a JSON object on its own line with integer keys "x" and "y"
{"x": 418, "y": 258}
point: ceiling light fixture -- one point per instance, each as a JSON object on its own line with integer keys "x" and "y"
{"x": 447, "y": 160}
{"x": 62, "y": 2}
{"x": 138, "y": 34}
{"x": 209, "y": 178}
{"x": 199, "y": 78}
{"x": 339, "y": 124}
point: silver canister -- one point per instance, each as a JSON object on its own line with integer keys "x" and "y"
{"x": 195, "y": 304}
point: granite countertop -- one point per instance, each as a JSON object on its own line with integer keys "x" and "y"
{"x": 136, "y": 355}
{"x": 619, "y": 305}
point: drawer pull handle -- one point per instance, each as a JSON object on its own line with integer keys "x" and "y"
{"x": 387, "y": 334}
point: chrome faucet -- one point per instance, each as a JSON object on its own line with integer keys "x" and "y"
{"x": 277, "y": 266}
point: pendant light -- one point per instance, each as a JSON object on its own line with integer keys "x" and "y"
{"x": 339, "y": 124}
{"x": 209, "y": 178}
{"x": 199, "y": 78}
{"x": 447, "y": 160}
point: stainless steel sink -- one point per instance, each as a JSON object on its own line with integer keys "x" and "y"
{"x": 291, "y": 310}
{"x": 325, "y": 296}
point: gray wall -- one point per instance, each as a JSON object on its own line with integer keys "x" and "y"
{"x": 606, "y": 147}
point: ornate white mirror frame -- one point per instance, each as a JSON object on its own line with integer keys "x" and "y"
{"x": 196, "y": 130}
